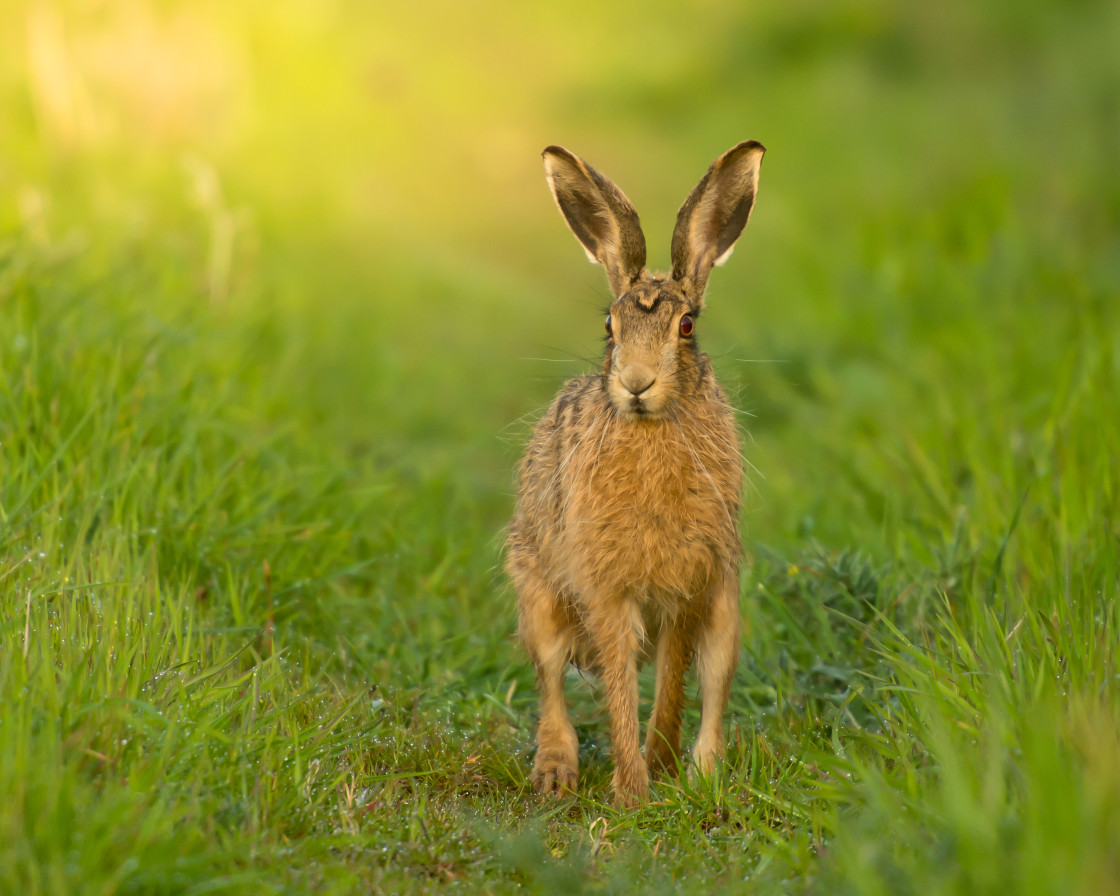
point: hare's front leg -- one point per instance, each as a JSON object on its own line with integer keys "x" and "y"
{"x": 717, "y": 655}
{"x": 663, "y": 735}
{"x": 546, "y": 631}
{"x": 616, "y": 631}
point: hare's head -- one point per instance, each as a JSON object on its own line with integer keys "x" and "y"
{"x": 651, "y": 359}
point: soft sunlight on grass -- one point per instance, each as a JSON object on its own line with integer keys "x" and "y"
{"x": 281, "y": 294}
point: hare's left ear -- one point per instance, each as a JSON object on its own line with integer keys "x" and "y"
{"x": 714, "y": 215}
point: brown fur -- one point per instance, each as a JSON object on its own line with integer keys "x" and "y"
{"x": 625, "y": 541}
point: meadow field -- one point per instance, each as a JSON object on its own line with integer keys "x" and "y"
{"x": 282, "y": 292}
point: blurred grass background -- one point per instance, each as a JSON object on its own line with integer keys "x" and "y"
{"x": 281, "y": 292}
{"x": 378, "y": 172}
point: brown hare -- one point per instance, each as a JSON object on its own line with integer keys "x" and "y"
{"x": 625, "y": 540}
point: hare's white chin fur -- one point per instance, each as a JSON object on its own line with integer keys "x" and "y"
{"x": 626, "y": 535}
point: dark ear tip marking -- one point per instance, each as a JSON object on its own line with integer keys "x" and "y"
{"x": 747, "y": 146}
{"x": 555, "y": 150}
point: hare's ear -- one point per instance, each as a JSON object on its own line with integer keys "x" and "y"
{"x": 714, "y": 215}
{"x": 600, "y": 216}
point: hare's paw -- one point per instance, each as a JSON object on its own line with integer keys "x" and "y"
{"x": 631, "y": 783}
{"x": 554, "y": 774}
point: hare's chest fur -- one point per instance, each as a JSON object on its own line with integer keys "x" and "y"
{"x": 647, "y": 509}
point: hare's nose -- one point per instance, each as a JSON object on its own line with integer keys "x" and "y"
{"x": 636, "y": 378}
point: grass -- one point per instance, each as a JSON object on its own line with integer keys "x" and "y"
{"x": 280, "y": 296}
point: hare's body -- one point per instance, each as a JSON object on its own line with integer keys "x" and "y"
{"x": 625, "y": 542}
{"x": 645, "y": 510}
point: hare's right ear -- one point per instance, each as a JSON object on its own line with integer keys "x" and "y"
{"x": 600, "y": 216}
{"x": 713, "y": 216}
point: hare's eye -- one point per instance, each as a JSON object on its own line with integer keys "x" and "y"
{"x": 687, "y": 326}
{"x": 610, "y": 331}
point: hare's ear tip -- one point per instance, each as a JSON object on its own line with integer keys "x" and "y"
{"x": 749, "y": 146}
{"x": 556, "y": 158}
